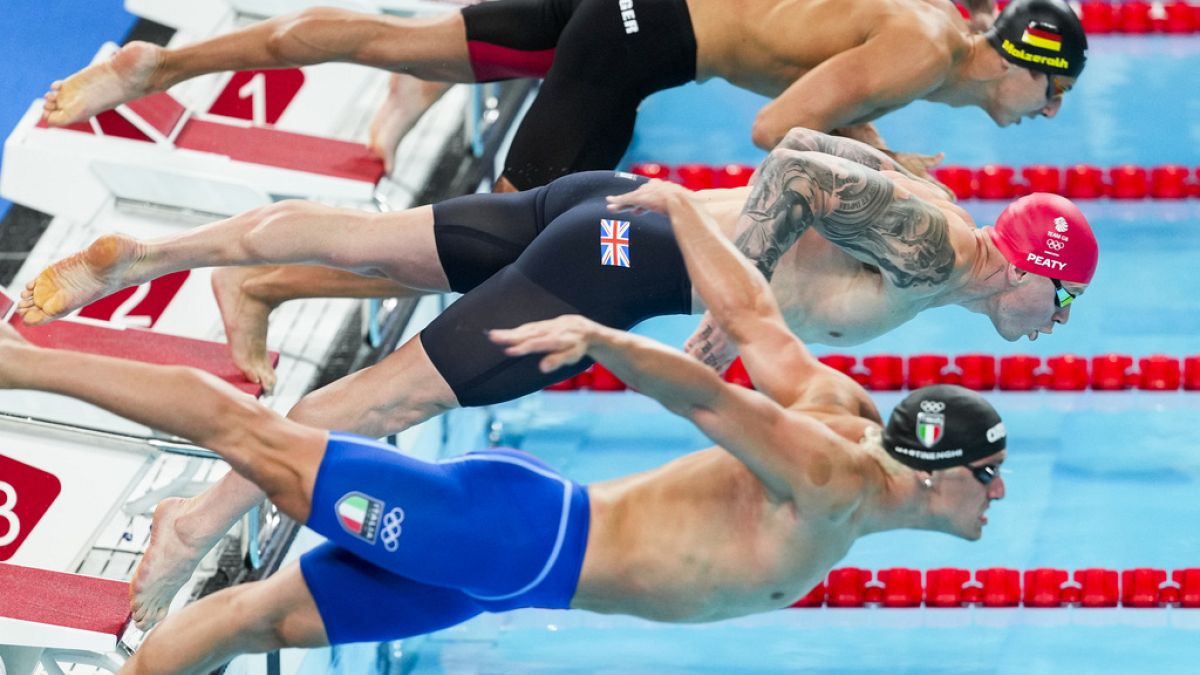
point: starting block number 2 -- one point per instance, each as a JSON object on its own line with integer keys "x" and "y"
{"x": 137, "y": 306}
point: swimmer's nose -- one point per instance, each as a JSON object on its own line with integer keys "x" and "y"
{"x": 1062, "y": 315}
{"x": 996, "y": 489}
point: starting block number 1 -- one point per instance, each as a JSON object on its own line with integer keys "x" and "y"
{"x": 256, "y": 91}
{"x": 260, "y": 96}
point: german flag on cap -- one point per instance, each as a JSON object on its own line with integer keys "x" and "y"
{"x": 1043, "y": 36}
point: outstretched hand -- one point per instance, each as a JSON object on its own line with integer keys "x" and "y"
{"x": 711, "y": 346}
{"x": 564, "y": 340}
{"x": 918, "y": 164}
{"x": 651, "y": 196}
{"x": 982, "y": 20}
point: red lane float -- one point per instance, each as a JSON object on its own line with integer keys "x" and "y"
{"x": 992, "y": 181}
{"x": 953, "y": 587}
{"x": 981, "y": 372}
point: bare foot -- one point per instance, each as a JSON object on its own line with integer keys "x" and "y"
{"x": 109, "y": 264}
{"x": 101, "y": 86}
{"x": 245, "y": 317}
{"x": 166, "y": 565}
{"x": 407, "y": 99}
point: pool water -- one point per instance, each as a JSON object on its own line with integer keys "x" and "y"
{"x": 1094, "y": 479}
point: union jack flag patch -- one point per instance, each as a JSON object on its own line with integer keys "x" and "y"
{"x": 614, "y": 242}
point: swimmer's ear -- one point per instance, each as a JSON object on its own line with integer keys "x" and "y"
{"x": 1015, "y": 275}
{"x": 992, "y": 66}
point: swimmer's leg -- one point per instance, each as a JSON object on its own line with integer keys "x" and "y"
{"x": 399, "y": 391}
{"x": 250, "y": 618}
{"x": 399, "y": 246}
{"x": 317, "y": 602}
{"x": 408, "y": 98}
{"x": 429, "y": 48}
{"x": 247, "y": 295}
{"x": 404, "y": 388}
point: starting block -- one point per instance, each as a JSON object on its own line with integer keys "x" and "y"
{"x": 156, "y": 151}
{"x": 137, "y": 344}
{"x": 108, "y": 339}
{"x": 47, "y": 617}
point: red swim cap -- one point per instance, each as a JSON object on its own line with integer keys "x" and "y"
{"x": 1047, "y": 235}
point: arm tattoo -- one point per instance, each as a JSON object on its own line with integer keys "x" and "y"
{"x": 858, "y": 152}
{"x": 854, "y": 208}
{"x": 777, "y": 212}
{"x": 707, "y": 345}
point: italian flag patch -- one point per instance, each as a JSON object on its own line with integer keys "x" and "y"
{"x": 359, "y": 515}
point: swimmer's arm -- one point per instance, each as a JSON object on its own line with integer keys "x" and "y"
{"x": 983, "y": 14}
{"x": 740, "y": 303}
{"x": 855, "y": 208}
{"x": 748, "y": 424}
{"x": 977, "y": 6}
{"x": 871, "y": 155}
{"x": 738, "y": 298}
{"x": 856, "y": 86}
{"x": 795, "y": 456}
{"x": 846, "y": 147}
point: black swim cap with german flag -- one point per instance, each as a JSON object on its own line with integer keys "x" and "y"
{"x": 942, "y": 426}
{"x": 1041, "y": 35}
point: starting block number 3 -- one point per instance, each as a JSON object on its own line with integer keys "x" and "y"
{"x": 18, "y": 518}
{"x": 8, "y": 501}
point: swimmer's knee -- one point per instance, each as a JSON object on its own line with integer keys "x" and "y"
{"x": 259, "y": 240}
{"x": 312, "y": 409}
{"x": 267, "y": 620}
{"x": 331, "y": 408}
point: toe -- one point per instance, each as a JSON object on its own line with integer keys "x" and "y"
{"x": 268, "y": 381}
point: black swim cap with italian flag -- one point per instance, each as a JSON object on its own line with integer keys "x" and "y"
{"x": 1041, "y": 35}
{"x": 943, "y": 426}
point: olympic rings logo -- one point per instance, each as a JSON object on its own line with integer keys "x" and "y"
{"x": 7, "y": 515}
{"x": 1055, "y": 244}
{"x": 389, "y": 533}
{"x": 932, "y": 407}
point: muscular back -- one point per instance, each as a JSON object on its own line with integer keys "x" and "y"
{"x": 765, "y": 45}
{"x": 701, "y": 538}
